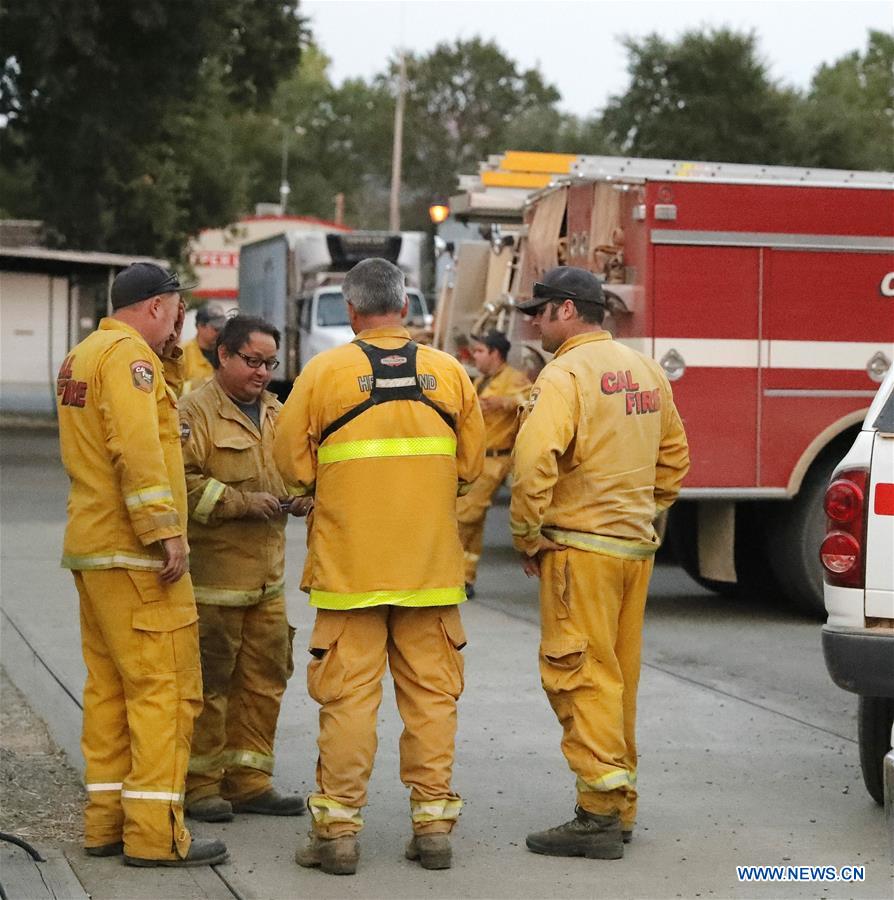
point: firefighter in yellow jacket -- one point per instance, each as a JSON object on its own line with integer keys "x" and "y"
{"x": 238, "y": 504}
{"x": 384, "y": 433}
{"x": 125, "y": 543}
{"x": 501, "y": 392}
{"x": 601, "y": 450}
{"x": 199, "y": 353}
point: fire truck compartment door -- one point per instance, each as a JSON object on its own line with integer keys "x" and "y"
{"x": 705, "y": 302}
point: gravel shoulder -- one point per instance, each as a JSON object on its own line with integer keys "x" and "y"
{"x": 41, "y": 796}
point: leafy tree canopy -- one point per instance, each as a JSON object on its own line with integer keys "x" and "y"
{"x": 122, "y": 109}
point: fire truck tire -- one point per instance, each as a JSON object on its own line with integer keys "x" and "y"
{"x": 755, "y": 578}
{"x": 795, "y": 533}
{"x": 875, "y": 716}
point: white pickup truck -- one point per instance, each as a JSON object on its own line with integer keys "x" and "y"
{"x": 857, "y": 557}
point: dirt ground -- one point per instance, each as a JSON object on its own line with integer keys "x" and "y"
{"x": 41, "y": 797}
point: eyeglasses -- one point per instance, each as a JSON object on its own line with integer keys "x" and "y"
{"x": 254, "y": 362}
{"x": 548, "y": 292}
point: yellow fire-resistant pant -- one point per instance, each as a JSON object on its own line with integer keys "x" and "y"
{"x": 349, "y": 650}
{"x": 591, "y": 611}
{"x": 142, "y": 695}
{"x": 471, "y": 510}
{"x": 246, "y": 662}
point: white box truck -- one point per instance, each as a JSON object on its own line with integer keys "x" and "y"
{"x": 293, "y": 280}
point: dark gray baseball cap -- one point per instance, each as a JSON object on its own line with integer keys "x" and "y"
{"x": 142, "y": 280}
{"x": 564, "y": 283}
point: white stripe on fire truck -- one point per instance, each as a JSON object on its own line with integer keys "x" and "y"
{"x": 746, "y": 354}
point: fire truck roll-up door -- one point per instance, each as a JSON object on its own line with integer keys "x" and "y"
{"x": 777, "y": 341}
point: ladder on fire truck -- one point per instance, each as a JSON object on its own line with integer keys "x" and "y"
{"x": 610, "y": 167}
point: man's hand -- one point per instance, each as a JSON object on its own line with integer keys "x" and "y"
{"x": 301, "y": 506}
{"x": 176, "y": 552}
{"x": 531, "y": 564}
{"x": 489, "y": 404}
{"x": 261, "y": 505}
{"x": 174, "y": 336}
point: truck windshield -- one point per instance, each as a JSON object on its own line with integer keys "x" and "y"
{"x": 332, "y": 309}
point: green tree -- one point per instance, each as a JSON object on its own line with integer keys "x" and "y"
{"x": 461, "y": 100}
{"x": 123, "y": 108}
{"x": 848, "y": 115}
{"x": 707, "y": 96}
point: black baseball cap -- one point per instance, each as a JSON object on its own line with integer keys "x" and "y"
{"x": 495, "y": 340}
{"x": 142, "y": 280}
{"x": 563, "y": 283}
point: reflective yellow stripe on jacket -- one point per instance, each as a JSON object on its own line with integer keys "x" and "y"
{"x": 448, "y": 596}
{"x": 598, "y": 543}
{"x": 378, "y": 448}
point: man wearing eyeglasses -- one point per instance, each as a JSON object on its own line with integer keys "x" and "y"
{"x": 238, "y": 505}
{"x": 600, "y": 452}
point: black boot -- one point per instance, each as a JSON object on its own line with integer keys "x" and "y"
{"x": 202, "y": 852}
{"x": 596, "y": 837}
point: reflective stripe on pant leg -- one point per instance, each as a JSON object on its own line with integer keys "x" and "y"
{"x": 344, "y": 675}
{"x": 220, "y": 630}
{"x": 256, "y": 692}
{"x": 427, "y": 666}
{"x": 580, "y": 670}
{"x": 152, "y": 637}
{"x": 105, "y": 739}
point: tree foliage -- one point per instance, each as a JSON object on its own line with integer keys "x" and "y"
{"x": 848, "y": 115}
{"x": 707, "y": 96}
{"x": 123, "y": 110}
{"x": 131, "y": 126}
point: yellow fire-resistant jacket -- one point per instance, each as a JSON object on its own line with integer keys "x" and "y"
{"x": 196, "y": 368}
{"x": 234, "y": 561}
{"x": 120, "y": 442}
{"x": 385, "y": 484}
{"x": 511, "y": 388}
{"x": 601, "y": 450}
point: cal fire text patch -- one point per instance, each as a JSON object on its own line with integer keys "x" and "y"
{"x": 637, "y": 401}
{"x": 142, "y": 375}
{"x": 69, "y": 391}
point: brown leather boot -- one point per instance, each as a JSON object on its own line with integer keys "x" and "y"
{"x": 432, "y": 850}
{"x": 334, "y": 856}
{"x": 596, "y": 837}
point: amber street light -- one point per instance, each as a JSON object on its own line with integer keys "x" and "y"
{"x": 438, "y": 211}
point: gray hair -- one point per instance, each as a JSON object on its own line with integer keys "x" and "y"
{"x": 375, "y": 287}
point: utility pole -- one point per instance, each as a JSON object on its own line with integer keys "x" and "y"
{"x": 398, "y": 149}
{"x": 284, "y": 189}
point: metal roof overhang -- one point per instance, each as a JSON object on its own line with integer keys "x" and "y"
{"x": 42, "y": 259}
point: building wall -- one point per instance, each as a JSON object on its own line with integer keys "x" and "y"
{"x": 34, "y": 335}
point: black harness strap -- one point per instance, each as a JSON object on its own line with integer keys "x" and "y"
{"x": 394, "y": 378}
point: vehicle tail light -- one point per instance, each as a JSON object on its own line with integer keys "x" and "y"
{"x": 841, "y": 552}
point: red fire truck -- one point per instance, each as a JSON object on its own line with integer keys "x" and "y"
{"x": 767, "y": 295}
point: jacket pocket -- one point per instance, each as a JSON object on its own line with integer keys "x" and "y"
{"x": 455, "y": 637}
{"x": 326, "y": 671}
{"x": 235, "y": 458}
{"x": 563, "y": 664}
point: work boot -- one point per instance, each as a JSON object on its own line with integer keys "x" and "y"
{"x": 432, "y": 850}
{"x": 334, "y": 856}
{"x": 202, "y": 852}
{"x": 114, "y": 849}
{"x": 626, "y": 834}
{"x": 210, "y": 809}
{"x": 271, "y": 803}
{"x": 596, "y": 837}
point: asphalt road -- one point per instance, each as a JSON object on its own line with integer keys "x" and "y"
{"x": 748, "y": 749}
